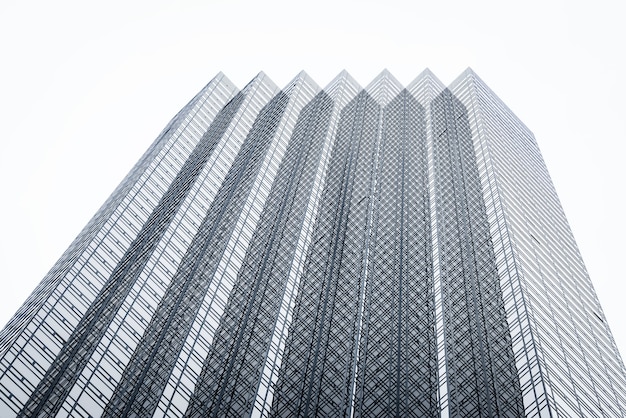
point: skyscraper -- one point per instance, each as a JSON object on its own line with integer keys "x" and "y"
{"x": 335, "y": 252}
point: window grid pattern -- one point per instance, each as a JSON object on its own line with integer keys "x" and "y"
{"x": 397, "y": 362}
{"x": 53, "y": 310}
{"x": 534, "y": 389}
{"x": 219, "y": 88}
{"x": 180, "y": 384}
{"x": 145, "y": 376}
{"x": 317, "y": 371}
{"x": 344, "y": 252}
{"x": 106, "y": 365}
{"x": 341, "y": 91}
{"x": 425, "y": 88}
{"x": 582, "y": 370}
{"x": 229, "y": 386}
{"x": 51, "y": 391}
{"x": 481, "y": 373}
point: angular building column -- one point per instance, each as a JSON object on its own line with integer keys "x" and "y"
{"x": 481, "y": 371}
{"x": 229, "y": 385}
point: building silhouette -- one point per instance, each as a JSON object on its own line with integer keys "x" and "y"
{"x": 347, "y": 251}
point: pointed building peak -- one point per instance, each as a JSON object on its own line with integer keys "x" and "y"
{"x": 385, "y": 73}
{"x": 470, "y": 70}
{"x": 468, "y": 75}
{"x": 226, "y": 81}
{"x": 303, "y": 75}
{"x": 384, "y": 88}
{"x": 260, "y": 78}
{"x": 426, "y": 76}
{"x": 223, "y": 77}
{"x": 343, "y": 75}
{"x": 425, "y": 87}
{"x": 343, "y": 83}
{"x": 220, "y": 77}
{"x": 302, "y": 78}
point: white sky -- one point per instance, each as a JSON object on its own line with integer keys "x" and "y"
{"x": 85, "y": 87}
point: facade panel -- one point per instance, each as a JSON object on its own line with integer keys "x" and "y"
{"x": 481, "y": 373}
{"x": 347, "y": 251}
{"x": 397, "y": 354}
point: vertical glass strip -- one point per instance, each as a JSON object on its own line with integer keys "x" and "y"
{"x": 481, "y": 372}
{"x": 150, "y": 366}
{"x": 398, "y": 362}
{"x": 50, "y": 393}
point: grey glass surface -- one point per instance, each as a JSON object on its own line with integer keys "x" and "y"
{"x": 347, "y": 251}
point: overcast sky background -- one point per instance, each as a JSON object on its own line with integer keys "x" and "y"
{"x": 85, "y": 87}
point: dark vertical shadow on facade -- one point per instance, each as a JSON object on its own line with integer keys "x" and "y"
{"x": 189, "y": 252}
{"x": 481, "y": 372}
{"x": 319, "y": 351}
{"x": 232, "y": 371}
{"x": 60, "y": 270}
{"x": 146, "y": 375}
{"x": 52, "y": 390}
{"x": 398, "y": 353}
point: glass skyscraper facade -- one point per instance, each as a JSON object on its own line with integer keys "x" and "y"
{"x": 307, "y": 251}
